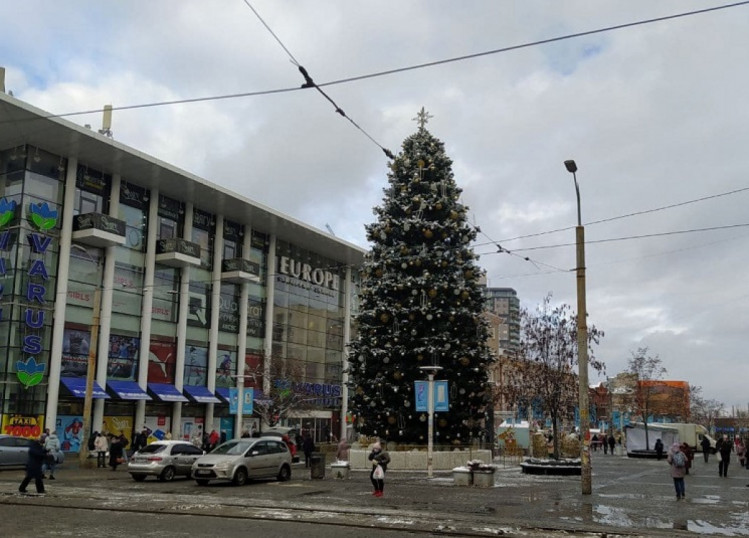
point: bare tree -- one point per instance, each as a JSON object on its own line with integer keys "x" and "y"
{"x": 646, "y": 368}
{"x": 545, "y": 375}
{"x": 286, "y": 394}
{"x": 704, "y": 411}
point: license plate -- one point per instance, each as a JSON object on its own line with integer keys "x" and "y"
{"x": 202, "y": 473}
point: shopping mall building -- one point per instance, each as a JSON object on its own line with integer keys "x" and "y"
{"x": 195, "y": 291}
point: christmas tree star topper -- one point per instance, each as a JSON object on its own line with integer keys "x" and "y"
{"x": 422, "y": 118}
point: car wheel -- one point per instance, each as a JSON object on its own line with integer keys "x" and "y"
{"x": 202, "y": 482}
{"x": 167, "y": 475}
{"x": 138, "y": 477}
{"x": 240, "y": 477}
{"x": 284, "y": 474}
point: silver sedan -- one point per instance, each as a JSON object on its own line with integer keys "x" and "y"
{"x": 163, "y": 459}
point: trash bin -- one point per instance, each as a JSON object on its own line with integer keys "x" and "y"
{"x": 317, "y": 465}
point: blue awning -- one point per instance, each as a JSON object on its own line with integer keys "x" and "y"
{"x": 128, "y": 390}
{"x": 77, "y": 385}
{"x": 166, "y": 393}
{"x": 200, "y": 394}
{"x": 223, "y": 393}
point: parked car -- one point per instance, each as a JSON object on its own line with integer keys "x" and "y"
{"x": 239, "y": 460}
{"x": 14, "y": 451}
{"x": 163, "y": 459}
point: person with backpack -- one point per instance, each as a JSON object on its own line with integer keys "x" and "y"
{"x": 678, "y": 461}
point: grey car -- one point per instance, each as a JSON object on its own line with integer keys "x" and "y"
{"x": 164, "y": 460}
{"x": 14, "y": 451}
{"x": 239, "y": 460}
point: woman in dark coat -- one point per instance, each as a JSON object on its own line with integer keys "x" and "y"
{"x": 115, "y": 452}
{"x": 34, "y": 464}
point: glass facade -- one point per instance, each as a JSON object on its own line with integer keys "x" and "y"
{"x": 307, "y": 307}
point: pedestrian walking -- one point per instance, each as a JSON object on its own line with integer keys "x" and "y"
{"x": 687, "y": 450}
{"x": 124, "y": 442}
{"x": 741, "y": 453}
{"x": 705, "y": 444}
{"x": 53, "y": 447}
{"x": 724, "y": 448}
{"x": 101, "y": 446}
{"x": 658, "y": 449}
{"x": 34, "y": 465}
{"x": 678, "y": 462}
{"x": 115, "y": 452}
{"x": 380, "y": 459}
{"x": 308, "y": 445}
{"x": 612, "y": 443}
{"x": 594, "y": 442}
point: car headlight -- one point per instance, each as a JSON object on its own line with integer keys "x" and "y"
{"x": 223, "y": 466}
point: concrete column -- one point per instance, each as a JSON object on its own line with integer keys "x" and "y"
{"x": 147, "y": 306}
{"x": 242, "y": 336}
{"x": 184, "y": 303}
{"x": 270, "y": 287}
{"x": 63, "y": 272}
{"x": 348, "y": 287}
{"x": 105, "y": 310}
{"x": 218, "y": 249}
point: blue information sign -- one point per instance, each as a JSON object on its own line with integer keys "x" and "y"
{"x": 441, "y": 403}
{"x": 249, "y": 395}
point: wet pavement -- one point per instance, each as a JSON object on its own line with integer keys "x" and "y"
{"x": 631, "y": 497}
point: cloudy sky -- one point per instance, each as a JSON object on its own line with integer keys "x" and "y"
{"x": 656, "y": 116}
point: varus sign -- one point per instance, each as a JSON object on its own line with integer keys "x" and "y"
{"x": 29, "y": 370}
{"x": 307, "y": 273}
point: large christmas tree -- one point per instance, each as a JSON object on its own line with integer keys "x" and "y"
{"x": 420, "y": 304}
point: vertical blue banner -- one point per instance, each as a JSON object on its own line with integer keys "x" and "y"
{"x": 249, "y": 396}
{"x": 421, "y": 390}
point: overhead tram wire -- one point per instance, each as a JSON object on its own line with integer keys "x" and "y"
{"x": 309, "y": 83}
{"x": 609, "y": 219}
{"x": 398, "y": 70}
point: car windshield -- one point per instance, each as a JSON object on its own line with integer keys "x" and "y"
{"x": 152, "y": 449}
{"x": 231, "y": 447}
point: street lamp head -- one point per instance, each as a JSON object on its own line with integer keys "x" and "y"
{"x": 570, "y": 166}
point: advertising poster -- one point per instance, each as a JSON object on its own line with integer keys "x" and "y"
{"x": 157, "y": 428}
{"x": 118, "y": 425}
{"x": 226, "y": 367}
{"x": 196, "y": 365}
{"x": 162, "y": 357}
{"x": 227, "y": 427}
{"x": 29, "y": 426}
{"x": 123, "y": 357}
{"x": 192, "y": 430}
{"x": 75, "y": 346}
{"x": 70, "y": 431}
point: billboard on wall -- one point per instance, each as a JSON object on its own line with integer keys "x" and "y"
{"x": 162, "y": 358}
{"x": 70, "y": 431}
{"x": 226, "y": 367}
{"x": 123, "y": 357}
{"x": 75, "y": 348}
{"x": 30, "y": 426}
{"x": 119, "y": 425}
{"x": 196, "y": 365}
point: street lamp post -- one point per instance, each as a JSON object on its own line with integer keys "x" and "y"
{"x": 90, "y": 366}
{"x": 582, "y": 343}
{"x": 430, "y": 370}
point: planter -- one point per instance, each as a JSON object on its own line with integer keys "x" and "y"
{"x": 552, "y": 467}
{"x": 462, "y": 477}
{"x": 340, "y": 470}
{"x": 483, "y": 478}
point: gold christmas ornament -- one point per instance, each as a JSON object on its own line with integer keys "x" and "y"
{"x": 454, "y": 215}
{"x": 391, "y": 419}
{"x": 432, "y": 293}
{"x": 442, "y": 422}
{"x": 420, "y": 163}
{"x": 465, "y": 294}
{"x": 464, "y": 361}
{"x": 384, "y": 317}
{"x": 428, "y": 233}
{"x": 378, "y": 272}
{"x": 438, "y": 206}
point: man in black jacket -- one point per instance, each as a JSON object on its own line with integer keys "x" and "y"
{"x": 34, "y": 464}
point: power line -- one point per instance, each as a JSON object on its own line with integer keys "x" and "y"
{"x": 643, "y": 212}
{"x": 630, "y": 237}
{"x": 309, "y": 83}
{"x": 402, "y": 69}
